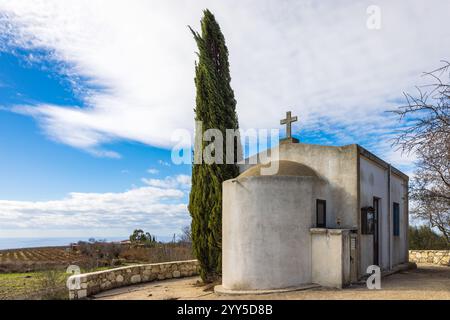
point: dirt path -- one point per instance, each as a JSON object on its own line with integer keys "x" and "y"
{"x": 425, "y": 282}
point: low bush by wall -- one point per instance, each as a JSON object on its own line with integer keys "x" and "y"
{"x": 87, "y": 284}
{"x": 439, "y": 257}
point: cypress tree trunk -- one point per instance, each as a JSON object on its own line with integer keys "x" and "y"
{"x": 216, "y": 108}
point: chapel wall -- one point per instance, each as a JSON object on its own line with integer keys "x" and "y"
{"x": 400, "y": 243}
{"x": 337, "y": 167}
{"x": 266, "y": 242}
{"x": 331, "y": 257}
{"x": 374, "y": 183}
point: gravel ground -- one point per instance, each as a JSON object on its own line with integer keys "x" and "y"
{"x": 425, "y": 282}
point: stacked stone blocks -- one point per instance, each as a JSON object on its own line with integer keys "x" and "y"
{"x": 438, "y": 257}
{"x": 88, "y": 284}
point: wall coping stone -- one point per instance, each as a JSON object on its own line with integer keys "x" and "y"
{"x": 87, "y": 284}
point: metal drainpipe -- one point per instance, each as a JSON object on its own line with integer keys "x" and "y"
{"x": 389, "y": 215}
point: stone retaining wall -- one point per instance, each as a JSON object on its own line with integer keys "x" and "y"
{"x": 439, "y": 257}
{"x": 87, "y": 284}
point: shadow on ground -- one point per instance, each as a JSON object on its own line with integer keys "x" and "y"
{"x": 424, "y": 283}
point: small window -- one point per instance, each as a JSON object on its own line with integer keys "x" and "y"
{"x": 367, "y": 220}
{"x": 321, "y": 213}
{"x": 396, "y": 216}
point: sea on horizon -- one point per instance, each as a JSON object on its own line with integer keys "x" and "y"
{"x": 31, "y": 242}
{"x": 21, "y": 243}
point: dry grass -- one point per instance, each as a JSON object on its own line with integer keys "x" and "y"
{"x": 39, "y": 273}
{"x": 38, "y": 259}
{"x": 89, "y": 256}
{"x": 34, "y": 285}
{"x": 157, "y": 253}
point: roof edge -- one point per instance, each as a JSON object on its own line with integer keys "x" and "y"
{"x": 369, "y": 155}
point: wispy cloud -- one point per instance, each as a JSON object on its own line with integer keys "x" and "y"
{"x": 319, "y": 60}
{"x": 161, "y": 208}
{"x": 153, "y": 171}
{"x": 164, "y": 163}
{"x": 182, "y": 181}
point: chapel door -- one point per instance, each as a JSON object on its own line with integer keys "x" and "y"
{"x": 376, "y": 234}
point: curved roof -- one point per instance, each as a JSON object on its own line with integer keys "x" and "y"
{"x": 285, "y": 168}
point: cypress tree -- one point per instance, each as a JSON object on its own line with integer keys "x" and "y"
{"x": 216, "y": 108}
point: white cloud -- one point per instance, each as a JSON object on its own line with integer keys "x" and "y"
{"x": 164, "y": 163}
{"x": 153, "y": 171}
{"x": 319, "y": 60}
{"x": 179, "y": 181}
{"x": 160, "y": 209}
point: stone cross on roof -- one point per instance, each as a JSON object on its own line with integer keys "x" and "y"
{"x": 288, "y": 122}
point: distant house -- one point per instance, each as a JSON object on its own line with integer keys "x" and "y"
{"x": 74, "y": 246}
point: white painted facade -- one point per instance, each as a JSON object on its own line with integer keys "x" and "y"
{"x": 270, "y": 238}
{"x": 380, "y": 182}
{"x": 257, "y": 242}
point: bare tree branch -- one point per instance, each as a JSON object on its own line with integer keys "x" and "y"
{"x": 426, "y": 133}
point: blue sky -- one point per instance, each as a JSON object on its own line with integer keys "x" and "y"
{"x": 91, "y": 92}
{"x": 28, "y": 155}
{"x": 37, "y": 169}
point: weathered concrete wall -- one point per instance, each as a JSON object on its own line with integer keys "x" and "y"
{"x": 338, "y": 167}
{"x": 374, "y": 182}
{"x": 399, "y": 243}
{"x": 95, "y": 282}
{"x": 330, "y": 257}
{"x": 352, "y": 179}
{"x": 366, "y": 247}
{"x": 439, "y": 257}
{"x": 266, "y": 242}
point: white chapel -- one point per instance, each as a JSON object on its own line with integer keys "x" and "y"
{"x": 326, "y": 215}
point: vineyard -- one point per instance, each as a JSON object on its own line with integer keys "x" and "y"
{"x": 33, "y": 259}
{"x": 89, "y": 256}
{"x": 25, "y": 273}
{"x": 41, "y": 272}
